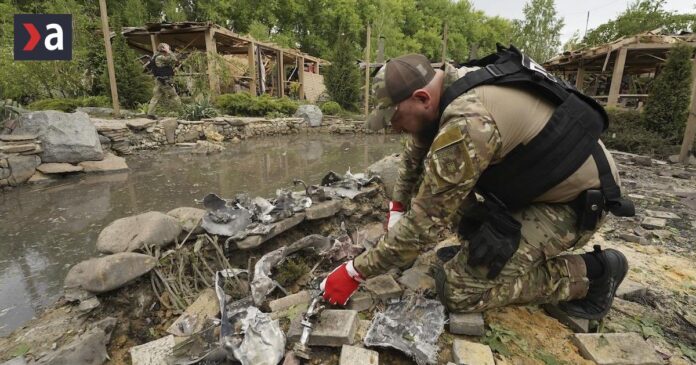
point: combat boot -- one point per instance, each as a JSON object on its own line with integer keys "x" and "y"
{"x": 600, "y": 295}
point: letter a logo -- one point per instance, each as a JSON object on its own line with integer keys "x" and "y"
{"x": 43, "y": 37}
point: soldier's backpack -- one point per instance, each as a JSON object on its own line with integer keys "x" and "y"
{"x": 562, "y": 146}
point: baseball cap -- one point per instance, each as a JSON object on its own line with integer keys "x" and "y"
{"x": 395, "y": 82}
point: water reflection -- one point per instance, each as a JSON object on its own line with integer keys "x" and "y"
{"x": 45, "y": 229}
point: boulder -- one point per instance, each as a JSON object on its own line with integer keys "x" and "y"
{"x": 311, "y": 114}
{"x": 140, "y": 123}
{"x": 58, "y": 168}
{"x": 22, "y": 168}
{"x": 133, "y": 233}
{"x": 110, "y": 163}
{"x": 87, "y": 349}
{"x": 102, "y": 274}
{"x": 189, "y": 218}
{"x": 65, "y": 137}
{"x": 388, "y": 170}
{"x": 169, "y": 126}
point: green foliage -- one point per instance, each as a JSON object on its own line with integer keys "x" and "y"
{"x": 667, "y": 107}
{"x": 69, "y": 105}
{"x": 198, "y": 110}
{"x": 342, "y": 77}
{"x": 134, "y": 86}
{"x": 331, "y": 108}
{"x": 245, "y": 104}
{"x": 290, "y": 270}
{"x": 626, "y": 133}
{"x": 538, "y": 34}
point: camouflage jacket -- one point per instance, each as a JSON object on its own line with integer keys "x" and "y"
{"x": 165, "y": 59}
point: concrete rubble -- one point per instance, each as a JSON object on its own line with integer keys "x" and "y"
{"x": 467, "y": 352}
{"x": 470, "y": 324}
{"x": 351, "y": 355}
{"x": 335, "y": 328}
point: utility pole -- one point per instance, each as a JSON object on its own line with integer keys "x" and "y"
{"x": 444, "y": 44}
{"x": 367, "y": 72}
{"x": 109, "y": 57}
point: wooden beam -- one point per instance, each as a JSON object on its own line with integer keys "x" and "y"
{"x": 281, "y": 73}
{"x": 616, "y": 77}
{"x": 690, "y": 131}
{"x": 251, "y": 57}
{"x": 154, "y": 42}
{"x": 301, "y": 77}
{"x": 580, "y": 79}
{"x": 444, "y": 44}
{"x": 658, "y": 45}
{"x": 109, "y": 57}
{"x": 367, "y": 71}
{"x": 211, "y": 52}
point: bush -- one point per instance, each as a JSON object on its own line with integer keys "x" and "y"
{"x": 343, "y": 77}
{"x": 331, "y": 108}
{"x": 198, "y": 110}
{"x": 69, "y": 105}
{"x": 626, "y": 133}
{"x": 245, "y": 104}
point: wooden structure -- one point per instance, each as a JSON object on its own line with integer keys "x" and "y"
{"x": 269, "y": 68}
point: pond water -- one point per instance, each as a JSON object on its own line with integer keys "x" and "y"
{"x": 45, "y": 229}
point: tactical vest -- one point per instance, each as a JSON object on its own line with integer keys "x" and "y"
{"x": 164, "y": 71}
{"x": 567, "y": 140}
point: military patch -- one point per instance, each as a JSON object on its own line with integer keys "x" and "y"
{"x": 450, "y": 166}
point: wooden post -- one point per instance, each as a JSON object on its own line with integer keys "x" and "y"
{"x": 109, "y": 57}
{"x": 281, "y": 74}
{"x": 367, "y": 71}
{"x": 380, "y": 50}
{"x": 444, "y": 44}
{"x": 580, "y": 78}
{"x": 211, "y": 51}
{"x": 301, "y": 78}
{"x": 690, "y": 131}
{"x": 616, "y": 77}
{"x": 154, "y": 42}
{"x": 252, "y": 68}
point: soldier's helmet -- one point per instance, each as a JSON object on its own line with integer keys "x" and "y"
{"x": 164, "y": 47}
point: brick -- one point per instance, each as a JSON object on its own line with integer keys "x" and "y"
{"x": 384, "y": 287}
{"x": 630, "y": 289}
{"x": 302, "y": 297}
{"x": 653, "y": 223}
{"x": 616, "y": 348}
{"x": 323, "y": 210}
{"x": 351, "y": 355}
{"x": 580, "y": 325}
{"x": 334, "y": 328}
{"x": 470, "y": 324}
{"x": 466, "y": 352}
{"x": 361, "y": 301}
{"x": 361, "y": 331}
{"x": 417, "y": 279}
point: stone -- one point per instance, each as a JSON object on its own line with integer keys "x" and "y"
{"x": 335, "y": 328}
{"x": 38, "y": 178}
{"x": 360, "y": 301}
{"x": 470, "y": 353}
{"x": 577, "y": 325}
{"x": 291, "y": 300}
{"x": 103, "y": 112}
{"x": 311, "y": 114}
{"x": 369, "y": 235}
{"x": 191, "y": 135}
{"x": 169, "y": 126}
{"x": 278, "y": 228}
{"x": 323, "y": 209}
{"x": 88, "y": 304}
{"x": 65, "y": 137}
{"x": 3, "y": 163}
{"x": 211, "y": 134}
{"x": 133, "y": 233}
{"x": 633, "y": 238}
{"x": 110, "y": 163}
{"x": 139, "y": 124}
{"x": 384, "y": 287}
{"x": 630, "y": 289}
{"x": 388, "y": 170}
{"x": 189, "y": 218}
{"x": 616, "y": 348}
{"x": 17, "y": 148}
{"x": 642, "y": 160}
{"x": 158, "y": 352}
{"x": 194, "y": 318}
{"x": 351, "y": 355}
{"x": 87, "y": 349}
{"x": 206, "y": 148}
{"x": 361, "y": 331}
{"x": 653, "y": 223}
{"x": 58, "y": 168}
{"x": 16, "y": 361}
{"x": 102, "y": 274}
{"x": 470, "y": 324}
{"x": 417, "y": 279}
{"x": 5, "y": 173}
{"x": 16, "y": 137}
{"x": 659, "y": 214}
{"x": 22, "y": 167}
{"x": 109, "y": 125}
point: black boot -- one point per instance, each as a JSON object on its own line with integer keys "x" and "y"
{"x": 600, "y": 294}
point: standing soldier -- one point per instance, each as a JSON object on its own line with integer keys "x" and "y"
{"x": 510, "y": 157}
{"x": 162, "y": 66}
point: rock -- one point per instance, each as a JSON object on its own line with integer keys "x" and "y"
{"x": 20, "y": 361}
{"x": 206, "y": 148}
{"x": 278, "y": 228}
{"x": 169, "y": 126}
{"x": 22, "y": 168}
{"x": 103, "y": 112}
{"x": 388, "y": 170}
{"x": 291, "y": 300}
{"x": 361, "y": 331}
{"x": 5, "y": 173}
{"x": 324, "y": 209}
{"x": 191, "y": 135}
{"x": 17, "y": 137}
{"x": 659, "y": 214}
{"x": 467, "y": 352}
{"x": 139, "y": 124}
{"x": 58, "y": 168}
{"x": 110, "y": 163}
{"x": 89, "y": 304}
{"x": 653, "y": 223}
{"x": 311, "y": 114}
{"x": 194, "y": 318}
{"x": 417, "y": 279}
{"x": 105, "y": 141}
{"x": 577, "y": 325}
{"x": 17, "y": 148}
{"x": 64, "y": 137}
{"x": 38, "y": 178}
{"x": 630, "y": 289}
{"x": 360, "y": 301}
{"x": 158, "y": 352}
{"x": 616, "y": 348}
{"x": 334, "y": 328}
{"x": 110, "y": 125}
{"x": 102, "y": 274}
{"x": 470, "y": 324}
{"x": 642, "y": 160}
{"x": 189, "y": 218}
{"x": 633, "y": 238}
{"x": 87, "y": 349}
{"x": 384, "y": 287}
{"x": 133, "y": 233}
{"x": 211, "y": 134}
{"x": 351, "y": 355}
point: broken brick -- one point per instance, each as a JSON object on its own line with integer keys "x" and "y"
{"x": 351, "y": 355}
{"x": 467, "y": 352}
{"x": 334, "y": 328}
{"x": 384, "y": 287}
{"x": 280, "y": 304}
{"x": 470, "y": 324}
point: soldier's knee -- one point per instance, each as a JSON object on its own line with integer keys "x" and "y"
{"x": 454, "y": 298}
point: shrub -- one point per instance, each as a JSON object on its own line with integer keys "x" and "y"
{"x": 69, "y": 105}
{"x": 245, "y": 104}
{"x": 342, "y": 77}
{"x": 198, "y": 110}
{"x": 331, "y": 108}
{"x": 627, "y": 133}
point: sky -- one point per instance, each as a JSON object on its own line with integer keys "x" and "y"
{"x": 574, "y": 12}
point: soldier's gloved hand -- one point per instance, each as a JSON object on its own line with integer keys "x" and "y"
{"x": 341, "y": 284}
{"x": 494, "y": 243}
{"x": 396, "y": 211}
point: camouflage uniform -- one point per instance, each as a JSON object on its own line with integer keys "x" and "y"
{"x": 164, "y": 86}
{"x": 467, "y": 142}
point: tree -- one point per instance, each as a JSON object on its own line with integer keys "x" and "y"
{"x": 667, "y": 108}
{"x": 134, "y": 86}
{"x": 342, "y": 78}
{"x": 539, "y": 33}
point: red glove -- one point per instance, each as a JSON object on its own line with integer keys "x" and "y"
{"x": 396, "y": 211}
{"x": 341, "y": 284}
